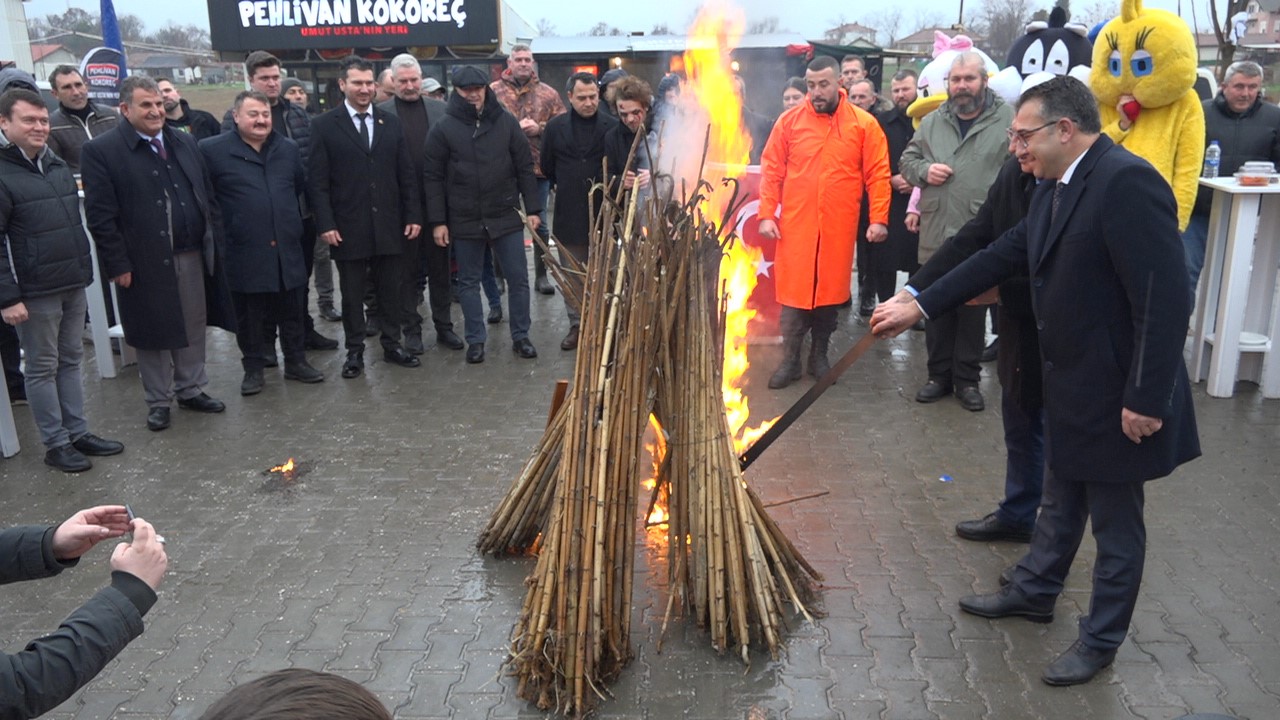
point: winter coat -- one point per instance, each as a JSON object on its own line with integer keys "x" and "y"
{"x": 261, "y": 216}
{"x": 533, "y": 100}
{"x": 478, "y": 168}
{"x": 573, "y": 170}
{"x": 974, "y": 159}
{"x": 903, "y": 245}
{"x": 68, "y": 133}
{"x": 129, "y": 216}
{"x": 197, "y": 122}
{"x": 435, "y": 113}
{"x": 1251, "y": 135}
{"x": 297, "y": 127}
{"x": 43, "y": 248}
{"x": 368, "y": 194}
{"x": 50, "y": 669}
{"x": 815, "y": 168}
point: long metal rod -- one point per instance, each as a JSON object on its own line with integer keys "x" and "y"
{"x": 795, "y": 411}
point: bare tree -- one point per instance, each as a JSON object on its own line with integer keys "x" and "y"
{"x": 1001, "y": 22}
{"x": 1096, "y": 12}
{"x": 888, "y": 24}
{"x": 926, "y": 18}
{"x": 603, "y": 28}
{"x": 661, "y": 29}
{"x": 766, "y": 25}
{"x": 835, "y": 33}
{"x": 545, "y": 27}
{"x": 1221, "y": 12}
{"x": 173, "y": 35}
{"x": 132, "y": 29}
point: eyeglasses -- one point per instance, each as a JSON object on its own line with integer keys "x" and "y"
{"x": 1024, "y": 136}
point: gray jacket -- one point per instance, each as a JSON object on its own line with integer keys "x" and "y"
{"x": 68, "y": 133}
{"x": 975, "y": 161}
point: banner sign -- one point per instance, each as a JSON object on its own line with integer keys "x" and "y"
{"x": 103, "y": 71}
{"x": 245, "y": 25}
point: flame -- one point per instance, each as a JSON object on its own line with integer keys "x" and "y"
{"x": 712, "y": 88}
{"x": 286, "y": 468}
{"x": 657, "y": 449}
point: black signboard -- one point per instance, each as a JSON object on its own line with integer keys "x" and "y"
{"x": 244, "y": 25}
{"x": 102, "y": 70}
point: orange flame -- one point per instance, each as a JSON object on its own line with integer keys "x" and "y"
{"x": 713, "y": 88}
{"x": 286, "y": 468}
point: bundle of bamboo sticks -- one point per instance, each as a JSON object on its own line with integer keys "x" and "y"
{"x": 649, "y": 342}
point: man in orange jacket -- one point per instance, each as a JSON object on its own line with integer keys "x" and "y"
{"x": 820, "y": 158}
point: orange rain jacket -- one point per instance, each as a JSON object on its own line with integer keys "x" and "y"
{"x": 816, "y": 167}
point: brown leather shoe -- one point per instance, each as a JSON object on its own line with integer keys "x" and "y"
{"x": 570, "y": 341}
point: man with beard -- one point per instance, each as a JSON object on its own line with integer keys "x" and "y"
{"x": 263, "y": 70}
{"x": 367, "y": 207}
{"x": 257, "y": 176}
{"x": 953, "y": 159}
{"x": 180, "y": 116}
{"x": 418, "y": 114}
{"x": 533, "y": 103}
{"x": 821, "y": 157}
{"x": 572, "y": 150}
{"x": 478, "y": 168}
{"x": 77, "y": 119}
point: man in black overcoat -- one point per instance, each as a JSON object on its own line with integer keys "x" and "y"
{"x": 1108, "y": 285}
{"x": 152, "y": 213}
{"x": 367, "y": 206}
{"x": 572, "y": 160}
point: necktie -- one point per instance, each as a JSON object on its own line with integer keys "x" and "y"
{"x": 159, "y": 148}
{"x": 1057, "y": 199}
{"x": 364, "y": 129}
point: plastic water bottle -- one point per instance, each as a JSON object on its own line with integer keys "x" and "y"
{"x": 1212, "y": 159}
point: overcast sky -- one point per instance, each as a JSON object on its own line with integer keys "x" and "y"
{"x": 571, "y": 17}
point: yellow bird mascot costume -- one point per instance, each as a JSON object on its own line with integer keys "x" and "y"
{"x": 1144, "y": 73}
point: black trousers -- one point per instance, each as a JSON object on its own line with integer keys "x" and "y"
{"x": 256, "y": 312}
{"x": 877, "y": 269}
{"x": 954, "y": 342}
{"x": 439, "y": 291}
{"x": 382, "y": 274}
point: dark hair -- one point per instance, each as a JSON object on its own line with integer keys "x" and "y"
{"x": 297, "y": 694}
{"x": 251, "y": 95}
{"x": 823, "y": 62}
{"x": 165, "y": 79}
{"x": 633, "y": 89}
{"x": 854, "y": 58}
{"x": 59, "y": 72}
{"x": 136, "y": 82}
{"x": 579, "y": 77}
{"x": 796, "y": 83}
{"x": 1063, "y": 96}
{"x": 353, "y": 62}
{"x": 16, "y": 95}
{"x": 904, "y": 74}
{"x": 258, "y": 59}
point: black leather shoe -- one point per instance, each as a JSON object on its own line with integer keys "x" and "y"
{"x": 866, "y": 306}
{"x": 328, "y": 313}
{"x": 202, "y": 403}
{"x": 475, "y": 353}
{"x": 353, "y": 366}
{"x": 449, "y": 339}
{"x": 67, "y": 459}
{"x": 252, "y": 383}
{"x": 1008, "y": 601}
{"x": 157, "y": 419}
{"x": 989, "y": 353}
{"x": 495, "y": 315}
{"x": 992, "y": 528}
{"x": 316, "y": 341}
{"x": 933, "y": 391}
{"x": 413, "y": 344}
{"x": 524, "y": 348}
{"x": 90, "y": 444}
{"x": 544, "y": 286}
{"x": 270, "y": 361}
{"x": 970, "y": 398}
{"x": 302, "y": 372}
{"x": 1006, "y": 575}
{"x": 401, "y": 357}
{"x": 1077, "y": 665}
{"x": 570, "y": 341}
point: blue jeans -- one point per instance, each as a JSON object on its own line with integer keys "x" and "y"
{"x": 489, "y": 281}
{"x": 1024, "y": 469}
{"x": 509, "y": 252}
{"x": 1194, "y": 240}
{"x": 544, "y": 194}
{"x": 53, "y": 339}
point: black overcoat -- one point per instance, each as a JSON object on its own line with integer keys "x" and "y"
{"x": 1109, "y": 290}
{"x": 367, "y": 194}
{"x": 573, "y": 169}
{"x": 261, "y": 216}
{"x": 128, "y": 214}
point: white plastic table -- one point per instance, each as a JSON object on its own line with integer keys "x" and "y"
{"x": 1236, "y": 322}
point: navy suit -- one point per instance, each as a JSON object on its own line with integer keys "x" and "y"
{"x": 1109, "y": 295}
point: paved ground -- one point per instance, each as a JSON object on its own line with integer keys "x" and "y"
{"x": 365, "y": 566}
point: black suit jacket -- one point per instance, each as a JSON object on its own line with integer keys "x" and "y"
{"x": 1109, "y": 291}
{"x": 366, "y": 194}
